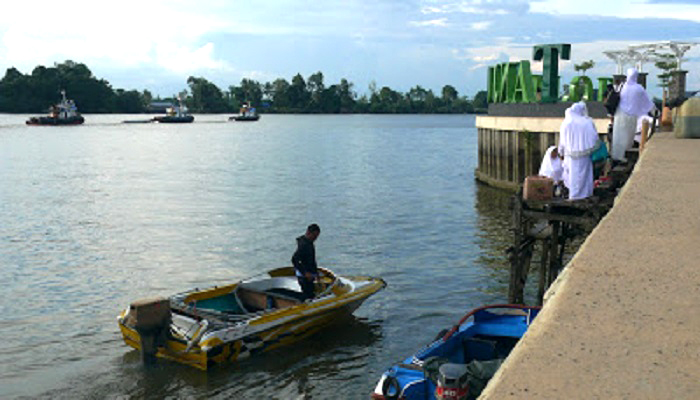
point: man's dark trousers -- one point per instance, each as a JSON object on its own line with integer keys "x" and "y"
{"x": 307, "y": 287}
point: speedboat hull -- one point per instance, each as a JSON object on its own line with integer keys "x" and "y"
{"x": 477, "y": 343}
{"x": 230, "y": 323}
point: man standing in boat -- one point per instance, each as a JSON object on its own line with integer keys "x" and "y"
{"x": 304, "y": 260}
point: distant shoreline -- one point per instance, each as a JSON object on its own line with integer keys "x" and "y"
{"x": 476, "y": 112}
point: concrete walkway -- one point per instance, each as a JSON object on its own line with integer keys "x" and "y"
{"x": 623, "y": 320}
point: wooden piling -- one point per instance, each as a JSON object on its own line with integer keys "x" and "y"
{"x": 553, "y": 253}
{"x": 542, "y": 283}
{"x": 515, "y": 293}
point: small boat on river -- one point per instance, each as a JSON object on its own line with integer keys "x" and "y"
{"x": 246, "y": 114}
{"x": 203, "y": 328}
{"x": 175, "y": 114}
{"x": 63, "y": 113}
{"x": 459, "y": 362}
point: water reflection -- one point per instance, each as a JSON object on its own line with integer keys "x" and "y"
{"x": 103, "y": 214}
{"x": 494, "y": 237}
{"x": 338, "y": 355}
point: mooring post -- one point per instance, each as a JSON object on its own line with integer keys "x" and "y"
{"x": 553, "y": 253}
{"x": 543, "y": 272}
{"x": 525, "y": 269}
{"x": 515, "y": 296}
{"x": 645, "y": 132}
{"x": 562, "y": 248}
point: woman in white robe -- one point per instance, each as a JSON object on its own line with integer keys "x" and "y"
{"x": 577, "y": 141}
{"x": 634, "y": 103}
{"x": 551, "y": 165}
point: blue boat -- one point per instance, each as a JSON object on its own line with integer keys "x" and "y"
{"x": 461, "y": 360}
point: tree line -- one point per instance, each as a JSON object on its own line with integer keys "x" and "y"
{"x": 32, "y": 93}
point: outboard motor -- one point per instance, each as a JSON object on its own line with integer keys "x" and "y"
{"x": 151, "y": 319}
{"x": 452, "y": 382}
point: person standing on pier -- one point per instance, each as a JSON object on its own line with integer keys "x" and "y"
{"x": 634, "y": 103}
{"x": 304, "y": 260}
{"x": 577, "y": 141}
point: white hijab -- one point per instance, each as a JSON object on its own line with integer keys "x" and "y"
{"x": 551, "y": 167}
{"x": 634, "y": 100}
{"x": 577, "y": 136}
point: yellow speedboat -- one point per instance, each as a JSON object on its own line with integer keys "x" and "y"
{"x": 223, "y": 324}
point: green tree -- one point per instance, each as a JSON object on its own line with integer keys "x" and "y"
{"x": 280, "y": 95}
{"x": 584, "y": 66}
{"x": 666, "y": 63}
{"x": 388, "y": 101}
{"x": 249, "y": 92}
{"x": 480, "y": 102}
{"x": 130, "y": 102}
{"x": 147, "y": 98}
{"x": 15, "y": 93}
{"x": 347, "y": 96}
{"x": 206, "y": 97}
{"x": 298, "y": 94}
{"x": 317, "y": 90}
{"x": 449, "y": 94}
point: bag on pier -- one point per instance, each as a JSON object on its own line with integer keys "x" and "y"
{"x": 600, "y": 153}
{"x": 612, "y": 100}
{"x": 539, "y": 188}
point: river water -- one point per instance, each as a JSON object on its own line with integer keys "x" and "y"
{"x": 95, "y": 216}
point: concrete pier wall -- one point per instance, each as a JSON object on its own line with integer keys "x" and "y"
{"x": 622, "y": 321}
{"x": 511, "y": 148}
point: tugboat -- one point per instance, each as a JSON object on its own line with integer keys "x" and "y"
{"x": 175, "y": 114}
{"x": 246, "y": 113}
{"x": 63, "y": 113}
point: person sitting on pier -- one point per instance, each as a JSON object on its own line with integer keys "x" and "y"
{"x": 551, "y": 165}
{"x": 577, "y": 141}
{"x": 634, "y": 103}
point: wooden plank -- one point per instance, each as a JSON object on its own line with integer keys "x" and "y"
{"x": 571, "y": 219}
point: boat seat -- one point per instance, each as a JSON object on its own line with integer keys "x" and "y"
{"x": 479, "y": 349}
{"x": 255, "y": 301}
{"x": 286, "y": 293}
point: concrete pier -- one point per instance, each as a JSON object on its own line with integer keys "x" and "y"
{"x": 514, "y": 137}
{"x": 623, "y": 319}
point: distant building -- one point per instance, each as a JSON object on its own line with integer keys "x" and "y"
{"x": 159, "y": 107}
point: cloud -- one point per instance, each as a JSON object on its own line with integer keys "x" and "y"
{"x": 497, "y": 7}
{"x": 687, "y": 10}
{"x": 183, "y": 59}
{"x": 490, "y": 57}
{"x": 134, "y": 33}
{"x": 480, "y": 26}
{"x": 432, "y": 22}
{"x": 672, "y": 1}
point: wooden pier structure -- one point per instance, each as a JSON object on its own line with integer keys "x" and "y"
{"x": 552, "y": 225}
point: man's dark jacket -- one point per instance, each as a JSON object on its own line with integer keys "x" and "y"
{"x": 304, "y": 259}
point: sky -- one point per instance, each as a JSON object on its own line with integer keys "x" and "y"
{"x": 158, "y": 44}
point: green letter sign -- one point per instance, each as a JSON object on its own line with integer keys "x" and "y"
{"x": 513, "y": 82}
{"x": 550, "y": 54}
{"x": 581, "y": 88}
